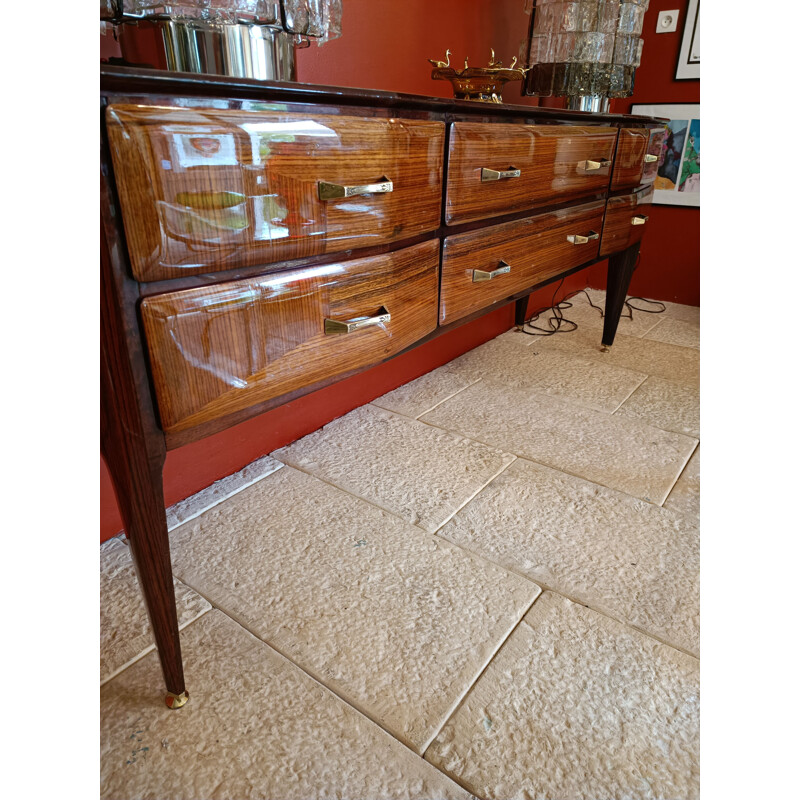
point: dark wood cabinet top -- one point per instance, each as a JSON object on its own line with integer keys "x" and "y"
{"x": 130, "y": 80}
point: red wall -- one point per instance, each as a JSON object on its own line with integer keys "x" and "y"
{"x": 385, "y": 45}
{"x": 669, "y": 268}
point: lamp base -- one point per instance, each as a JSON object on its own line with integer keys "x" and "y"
{"x": 211, "y": 48}
{"x": 596, "y": 103}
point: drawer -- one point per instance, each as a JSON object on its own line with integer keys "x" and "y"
{"x": 220, "y": 349}
{"x": 204, "y": 190}
{"x": 655, "y": 152}
{"x": 629, "y": 161}
{"x": 485, "y": 266}
{"x": 537, "y": 165}
{"x": 625, "y": 221}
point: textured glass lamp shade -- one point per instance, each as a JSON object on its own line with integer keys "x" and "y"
{"x": 586, "y": 51}
{"x": 239, "y": 38}
{"x": 320, "y": 19}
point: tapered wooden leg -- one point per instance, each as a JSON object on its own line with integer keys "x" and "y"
{"x": 135, "y": 451}
{"x": 141, "y": 502}
{"x": 136, "y": 475}
{"x": 620, "y": 271}
{"x": 521, "y": 311}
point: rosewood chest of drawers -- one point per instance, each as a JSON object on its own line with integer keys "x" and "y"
{"x": 260, "y": 241}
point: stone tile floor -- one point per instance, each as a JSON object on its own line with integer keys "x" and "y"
{"x": 484, "y": 583}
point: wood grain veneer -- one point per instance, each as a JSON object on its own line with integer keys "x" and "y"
{"x": 655, "y": 147}
{"x": 619, "y": 232}
{"x": 534, "y": 247}
{"x": 133, "y": 448}
{"x": 217, "y": 350}
{"x": 629, "y": 158}
{"x": 204, "y": 190}
{"x": 548, "y": 157}
{"x": 211, "y": 174}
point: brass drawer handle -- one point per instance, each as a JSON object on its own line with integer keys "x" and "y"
{"x": 649, "y": 158}
{"x": 479, "y": 275}
{"x": 593, "y": 166}
{"x": 639, "y": 219}
{"x": 574, "y": 238}
{"x": 333, "y": 326}
{"x": 495, "y": 175}
{"x": 334, "y": 191}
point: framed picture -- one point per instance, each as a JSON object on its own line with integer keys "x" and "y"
{"x": 677, "y": 180}
{"x": 689, "y": 57}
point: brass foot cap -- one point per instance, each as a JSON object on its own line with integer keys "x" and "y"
{"x": 176, "y": 700}
{"x": 606, "y": 348}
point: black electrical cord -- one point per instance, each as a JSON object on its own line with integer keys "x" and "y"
{"x": 557, "y": 321}
{"x": 557, "y": 317}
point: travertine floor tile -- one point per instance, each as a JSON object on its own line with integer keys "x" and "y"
{"x": 668, "y": 361}
{"x": 125, "y": 633}
{"x": 685, "y": 495}
{"x": 552, "y": 372}
{"x": 396, "y": 621}
{"x": 620, "y": 453}
{"x": 515, "y": 337}
{"x": 421, "y": 474}
{"x": 667, "y": 405}
{"x": 195, "y": 505}
{"x": 598, "y": 296}
{"x": 634, "y": 561}
{"x": 577, "y": 707}
{"x": 413, "y": 399}
{"x": 675, "y": 331}
{"x": 255, "y": 727}
{"x": 682, "y": 312}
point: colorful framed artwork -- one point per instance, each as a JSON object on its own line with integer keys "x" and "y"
{"x": 677, "y": 180}
{"x": 689, "y": 56}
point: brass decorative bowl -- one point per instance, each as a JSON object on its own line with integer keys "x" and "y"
{"x": 484, "y": 84}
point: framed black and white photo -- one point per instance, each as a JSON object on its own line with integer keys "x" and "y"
{"x": 689, "y": 56}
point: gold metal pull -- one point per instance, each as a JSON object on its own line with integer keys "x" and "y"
{"x": 493, "y": 174}
{"x": 649, "y": 158}
{"x": 593, "y": 166}
{"x": 334, "y": 191}
{"x": 333, "y": 326}
{"x": 574, "y": 238}
{"x": 639, "y": 219}
{"x": 479, "y": 275}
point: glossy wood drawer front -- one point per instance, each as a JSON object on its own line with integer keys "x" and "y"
{"x": 556, "y": 163}
{"x": 485, "y": 266}
{"x": 626, "y": 221}
{"x": 629, "y": 161}
{"x": 220, "y": 349}
{"x": 655, "y": 152}
{"x": 209, "y": 190}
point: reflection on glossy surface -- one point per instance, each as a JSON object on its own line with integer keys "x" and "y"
{"x": 619, "y": 227}
{"x": 655, "y": 147}
{"x": 221, "y": 348}
{"x": 535, "y": 248}
{"x": 548, "y": 157}
{"x": 629, "y": 160}
{"x": 208, "y": 189}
